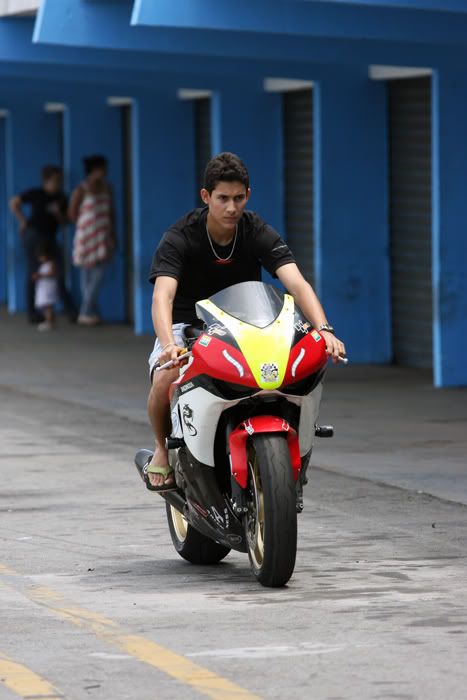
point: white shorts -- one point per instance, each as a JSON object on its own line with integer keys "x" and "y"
{"x": 178, "y": 329}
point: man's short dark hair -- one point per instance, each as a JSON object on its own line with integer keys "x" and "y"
{"x": 49, "y": 171}
{"x": 225, "y": 167}
{"x": 94, "y": 162}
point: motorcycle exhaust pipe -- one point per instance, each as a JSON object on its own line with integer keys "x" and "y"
{"x": 175, "y": 499}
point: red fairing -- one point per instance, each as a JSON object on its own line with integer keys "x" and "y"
{"x": 306, "y": 357}
{"x": 260, "y": 424}
{"x": 220, "y": 361}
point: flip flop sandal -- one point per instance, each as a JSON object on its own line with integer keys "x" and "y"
{"x": 165, "y": 471}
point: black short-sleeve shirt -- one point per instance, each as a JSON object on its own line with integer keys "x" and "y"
{"x": 42, "y": 217}
{"x": 185, "y": 253}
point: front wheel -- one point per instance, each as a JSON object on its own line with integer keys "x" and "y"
{"x": 271, "y": 522}
{"x": 191, "y": 544}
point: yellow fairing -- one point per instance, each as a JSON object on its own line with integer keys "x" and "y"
{"x": 265, "y": 349}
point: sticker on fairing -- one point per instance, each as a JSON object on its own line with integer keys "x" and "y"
{"x": 269, "y": 372}
{"x": 217, "y": 329}
{"x": 205, "y": 340}
{"x": 316, "y": 336}
{"x": 302, "y": 327}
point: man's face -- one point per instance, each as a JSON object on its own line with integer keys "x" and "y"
{"x": 53, "y": 184}
{"x": 226, "y": 203}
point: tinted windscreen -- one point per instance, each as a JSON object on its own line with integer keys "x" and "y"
{"x": 252, "y": 302}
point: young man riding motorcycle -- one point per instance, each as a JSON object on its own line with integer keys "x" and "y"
{"x": 207, "y": 250}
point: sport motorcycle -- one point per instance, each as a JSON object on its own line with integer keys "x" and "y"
{"x": 244, "y": 413}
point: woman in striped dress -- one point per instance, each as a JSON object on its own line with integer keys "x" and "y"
{"x": 91, "y": 208}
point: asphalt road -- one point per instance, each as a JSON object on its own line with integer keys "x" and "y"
{"x": 95, "y": 603}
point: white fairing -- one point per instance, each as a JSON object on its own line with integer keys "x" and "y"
{"x": 201, "y": 410}
{"x": 196, "y": 417}
{"x": 308, "y": 418}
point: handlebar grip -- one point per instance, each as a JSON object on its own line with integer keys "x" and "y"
{"x": 168, "y": 365}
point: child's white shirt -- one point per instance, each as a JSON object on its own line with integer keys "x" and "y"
{"x": 46, "y": 287}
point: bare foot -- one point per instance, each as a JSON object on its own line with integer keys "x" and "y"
{"x": 160, "y": 458}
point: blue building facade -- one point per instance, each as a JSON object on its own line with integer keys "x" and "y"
{"x": 351, "y": 117}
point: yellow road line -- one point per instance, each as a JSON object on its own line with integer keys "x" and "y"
{"x": 178, "y": 667}
{"x": 6, "y": 571}
{"x": 24, "y": 682}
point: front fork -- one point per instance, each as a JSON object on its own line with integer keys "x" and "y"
{"x": 237, "y": 452}
{"x": 237, "y": 448}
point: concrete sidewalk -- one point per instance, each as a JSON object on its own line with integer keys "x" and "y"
{"x": 391, "y": 425}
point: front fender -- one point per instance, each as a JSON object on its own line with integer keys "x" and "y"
{"x": 260, "y": 424}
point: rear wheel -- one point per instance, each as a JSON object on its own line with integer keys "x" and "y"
{"x": 271, "y": 522}
{"x": 191, "y": 544}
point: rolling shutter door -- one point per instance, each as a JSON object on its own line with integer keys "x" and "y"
{"x": 298, "y": 177}
{"x": 203, "y": 150}
{"x": 410, "y": 220}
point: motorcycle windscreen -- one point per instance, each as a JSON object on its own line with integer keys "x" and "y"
{"x": 255, "y": 303}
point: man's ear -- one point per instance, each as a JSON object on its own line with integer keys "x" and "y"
{"x": 205, "y": 196}
{"x": 248, "y": 194}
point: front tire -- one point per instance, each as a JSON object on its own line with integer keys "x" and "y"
{"x": 271, "y": 522}
{"x": 191, "y": 544}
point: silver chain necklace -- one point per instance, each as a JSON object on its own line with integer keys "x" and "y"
{"x": 212, "y": 247}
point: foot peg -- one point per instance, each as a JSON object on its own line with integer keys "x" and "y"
{"x": 324, "y": 431}
{"x": 174, "y": 443}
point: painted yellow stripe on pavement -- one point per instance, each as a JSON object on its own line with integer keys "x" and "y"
{"x": 178, "y": 667}
{"x": 145, "y": 650}
{"x": 6, "y": 571}
{"x": 24, "y": 682}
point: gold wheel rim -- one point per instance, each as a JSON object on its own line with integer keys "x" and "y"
{"x": 255, "y": 528}
{"x": 180, "y": 524}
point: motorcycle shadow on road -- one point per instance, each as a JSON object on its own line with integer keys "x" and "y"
{"x": 144, "y": 576}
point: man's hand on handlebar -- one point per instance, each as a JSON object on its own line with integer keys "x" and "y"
{"x": 171, "y": 354}
{"x": 334, "y": 347}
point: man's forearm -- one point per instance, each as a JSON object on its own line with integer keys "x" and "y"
{"x": 310, "y": 305}
{"x": 162, "y": 319}
{"x": 15, "y": 207}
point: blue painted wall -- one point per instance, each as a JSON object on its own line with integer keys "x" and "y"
{"x": 3, "y": 213}
{"x": 351, "y": 218}
{"x": 164, "y": 182}
{"x": 330, "y": 33}
{"x": 247, "y": 121}
{"x": 314, "y": 18}
{"x": 449, "y": 227}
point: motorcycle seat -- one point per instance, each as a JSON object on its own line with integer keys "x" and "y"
{"x": 193, "y": 332}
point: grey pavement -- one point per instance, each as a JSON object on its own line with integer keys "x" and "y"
{"x": 94, "y": 599}
{"x": 391, "y": 425}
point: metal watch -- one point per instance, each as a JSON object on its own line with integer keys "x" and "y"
{"x": 326, "y": 327}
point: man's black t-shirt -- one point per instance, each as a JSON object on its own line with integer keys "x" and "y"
{"x": 185, "y": 253}
{"x": 42, "y": 218}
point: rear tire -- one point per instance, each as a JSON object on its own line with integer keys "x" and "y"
{"x": 271, "y": 523}
{"x": 191, "y": 544}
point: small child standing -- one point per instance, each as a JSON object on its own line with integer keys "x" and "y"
{"x": 46, "y": 293}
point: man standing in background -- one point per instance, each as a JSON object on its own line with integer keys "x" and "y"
{"x": 48, "y": 205}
